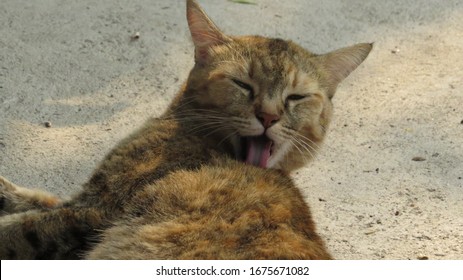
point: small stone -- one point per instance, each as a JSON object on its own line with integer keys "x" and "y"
{"x": 396, "y": 213}
{"x": 418, "y": 159}
{"x": 423, "y": 258}
{"x": 136, "y": 36}
{"x": 371, "y": 232}
{"x": 47, "y": 124}
{"x": 395, "y": 50}
{"x": 461, "y": 122}
{"x": 321, "y": 200}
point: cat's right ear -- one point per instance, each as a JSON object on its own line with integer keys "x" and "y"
{"x": 204, "y": 32}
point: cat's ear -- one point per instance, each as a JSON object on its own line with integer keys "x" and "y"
{"x": 204, "y": 32}
{"x": 340, "y": 63}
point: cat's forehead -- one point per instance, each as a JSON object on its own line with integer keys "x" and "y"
{"x": 268, "y": 50}
{"x": 277, "y": 64}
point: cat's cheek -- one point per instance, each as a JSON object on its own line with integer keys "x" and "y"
{"x": 217, "y": 96}
{"x": 279, "y": 152}
{"x": 315, "y": 133}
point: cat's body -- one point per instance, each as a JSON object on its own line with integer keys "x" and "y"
{"x": 208, "y": 207}
{"x": 178, "y": 188}
{"x": 225, "y": 210}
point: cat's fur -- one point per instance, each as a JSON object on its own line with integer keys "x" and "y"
{"x": 178, "y": 188}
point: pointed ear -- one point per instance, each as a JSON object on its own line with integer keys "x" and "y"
{"x": 204, "y": 32}
{"x": 340, "y": 63}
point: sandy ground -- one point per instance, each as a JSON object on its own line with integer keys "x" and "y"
{"x": 73, "y": 64}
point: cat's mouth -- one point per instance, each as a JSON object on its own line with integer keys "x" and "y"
{"x": 257, "y": 150}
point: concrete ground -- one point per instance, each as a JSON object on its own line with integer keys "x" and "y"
{"x": 74, "y": 64}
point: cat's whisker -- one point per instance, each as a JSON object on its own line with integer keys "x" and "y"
{"x": 197, "y": 114}
{"x": 198, "y": 110}
{"x": 184, "y": 102}
{"x": 205, "y": 127}
{"x": 296, "y": 146}
{"x": 201, "y": 121}
{"x": 206, "y": 122}
{"x": 172, "y": 113}
{"x": 227, "y": 137}
{"x": 200, "y": 117}
{"x": 297, "y": 134}
{"x": 225, "y": 126}
{"x": 306, "y": 146}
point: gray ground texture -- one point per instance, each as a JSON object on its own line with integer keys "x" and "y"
{"x": 73, "y": 64}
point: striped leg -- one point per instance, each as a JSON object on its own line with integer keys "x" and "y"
{"x": 61, "y": 233}
{"x": 14, "y": 199}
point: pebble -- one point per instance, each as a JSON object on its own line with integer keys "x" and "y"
{"x": 47, "y": 124}
{"x": 136, "y": 36}
{"x": 418, "y": 159}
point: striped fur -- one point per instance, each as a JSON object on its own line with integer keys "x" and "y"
{"x": 177, "y": 188}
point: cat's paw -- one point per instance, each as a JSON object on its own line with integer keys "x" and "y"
{"x": 14, "y": 199}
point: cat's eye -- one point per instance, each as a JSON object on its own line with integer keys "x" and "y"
{"x": 246, "y": 87}
{"x": 295, "y": 97}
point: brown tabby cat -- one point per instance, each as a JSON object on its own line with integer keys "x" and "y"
{"x": 208, "y": 179}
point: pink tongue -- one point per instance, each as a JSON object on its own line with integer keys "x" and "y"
{"x": 258, "y": 151}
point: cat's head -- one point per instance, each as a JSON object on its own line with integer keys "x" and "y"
{"x": 268, "y": 98}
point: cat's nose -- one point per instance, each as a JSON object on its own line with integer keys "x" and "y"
{"x": 267, "y": 120}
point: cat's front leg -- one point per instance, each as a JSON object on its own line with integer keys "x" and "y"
{"x": 14, "y": 198}
{"x": 61, "y": 233}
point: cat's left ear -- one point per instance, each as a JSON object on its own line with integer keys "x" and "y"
{"x": 338, "y": 64}
{"x": 204, "y": 32}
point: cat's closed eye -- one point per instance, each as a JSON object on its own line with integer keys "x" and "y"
{"x": 294, "y": 97}
{"x": 246, "y": 87}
